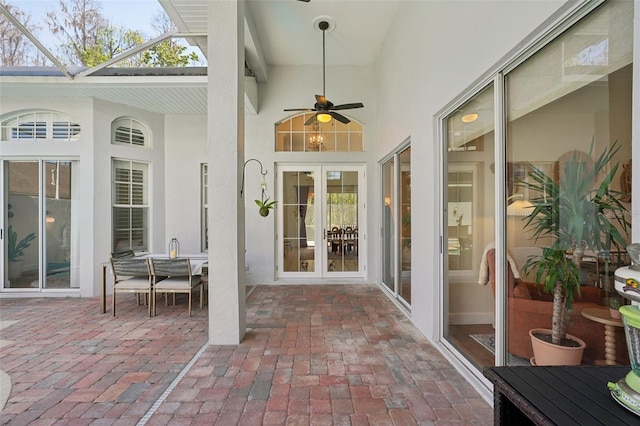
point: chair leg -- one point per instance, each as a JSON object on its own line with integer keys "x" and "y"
{"x": 190, "y": 292}
{"x": 201, "y": 294}
{"x": 114, "y": 302}
{"x": 148, "y": 297}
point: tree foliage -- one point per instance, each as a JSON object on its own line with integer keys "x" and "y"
{"x": 88, "y": 39}
{"x": 78, "y": 25}
{"x": 16, "y": 48}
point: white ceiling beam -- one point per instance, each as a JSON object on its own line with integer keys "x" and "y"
{"x": 35, "y": 41}
{"x": 253, "y": 51}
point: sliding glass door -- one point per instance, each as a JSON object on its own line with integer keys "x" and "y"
{"x": 320, "y": 220}
{"x": 37, "y": 225}
{"x": 469, "y": 229}
{"x": 520, "y": 143}
{"x": 396, "y": 224}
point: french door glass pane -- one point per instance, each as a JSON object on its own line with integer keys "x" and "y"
{"x": 58, "y": 223}
{"x": 298, "y": 221}
{"x": 342, "y": 221}
{"x": 23, "y": 235}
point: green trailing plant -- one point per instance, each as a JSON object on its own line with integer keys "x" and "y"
{"x": 15, "y": 248}
{"x": 580, "y": 212}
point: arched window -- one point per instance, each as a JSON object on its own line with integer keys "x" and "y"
{"x": 293, "y": 136}
{"x": 128, "y": 131}
{"x": 40, "y": 125}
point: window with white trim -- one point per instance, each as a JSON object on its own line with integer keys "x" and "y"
{"x": 40, "y": 125}
{"x": 130, "y": 205}
{"x": 127, "y": 131}
{"x": 292, "y": 135}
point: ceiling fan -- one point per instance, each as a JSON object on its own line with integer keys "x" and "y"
{"x": 325, "y": 109}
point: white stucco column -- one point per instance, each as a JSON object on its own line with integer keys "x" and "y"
{"x": 225, "y": 142}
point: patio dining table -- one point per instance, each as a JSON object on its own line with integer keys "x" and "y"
{"x": 198, "y": 262}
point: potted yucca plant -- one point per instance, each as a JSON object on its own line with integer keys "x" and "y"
{"x": 580, "y": 212}
{"x": 15, "y": 250}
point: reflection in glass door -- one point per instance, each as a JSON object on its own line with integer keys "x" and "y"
{"x": 468, "y": 229}
{"x": 320, "y": 217}
{"x": 396, "y": 224}
{"x": 341, "y": 228}
{"x": 297, "y": 221}
{"x": 37, "y": 247}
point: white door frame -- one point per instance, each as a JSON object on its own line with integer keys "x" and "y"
{"x": 320, "y": 259}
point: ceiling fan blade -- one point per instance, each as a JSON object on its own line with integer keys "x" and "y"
{"x": 306, "y": 1}
{"x": 299, "y": 109}
{"x": 348, "y": 106}
{"x": 313, "y": 118}
{"x": 341, "y": 118}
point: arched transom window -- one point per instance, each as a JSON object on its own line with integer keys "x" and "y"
{"x": 293, "y": 136}
{"x": 128, "y": 131}
{"x": 40, "y": 125}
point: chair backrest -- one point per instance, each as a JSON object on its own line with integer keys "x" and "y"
{"x": 162, "y": 267}
{"x": 123, "y": 254}
{"x": 491, "y": 262}
{"x": 130, "y": 267}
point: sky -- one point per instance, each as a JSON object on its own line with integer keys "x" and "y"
{"x": 131, "y": 14}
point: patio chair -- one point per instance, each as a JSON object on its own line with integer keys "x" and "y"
{"x": 131, "y": 275}
{"x": 123, "y": 254}
{"x": 350, "y": 240}
{"x": 176, "y": 278}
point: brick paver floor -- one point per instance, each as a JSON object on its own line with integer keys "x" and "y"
{"x": 312, "y": 355}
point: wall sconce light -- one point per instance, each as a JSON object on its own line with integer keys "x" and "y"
{"x": 519, "y": 207}
{"x": 49, "y": 218}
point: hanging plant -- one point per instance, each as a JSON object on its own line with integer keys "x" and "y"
{"x": 265, "y": 202}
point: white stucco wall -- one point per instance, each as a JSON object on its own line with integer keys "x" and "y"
{"x": 93, "y": 153}
{"x": 295, "y": 87}
{"x": 186, "y": 150}
{"x": 432, "y": 53}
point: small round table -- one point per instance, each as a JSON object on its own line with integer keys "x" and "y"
{"x": 602, "y": 316}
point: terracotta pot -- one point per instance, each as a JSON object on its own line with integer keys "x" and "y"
{"x": 615, "y": 314}
{"x": 546, "y": 353}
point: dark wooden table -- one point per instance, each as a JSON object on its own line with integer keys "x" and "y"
{"x": 557, "y": 396}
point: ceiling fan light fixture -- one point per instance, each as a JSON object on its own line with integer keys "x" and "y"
{"x": 324, "y": 118}
{"x": 469, "y": 118}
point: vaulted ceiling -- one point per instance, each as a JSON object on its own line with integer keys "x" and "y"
{"x": 286, "y": 32}
{"x": 277, "y": 32}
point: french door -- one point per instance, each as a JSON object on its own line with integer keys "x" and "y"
{"x": 37, "y": 237}
{"x": 321, "y": 221}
